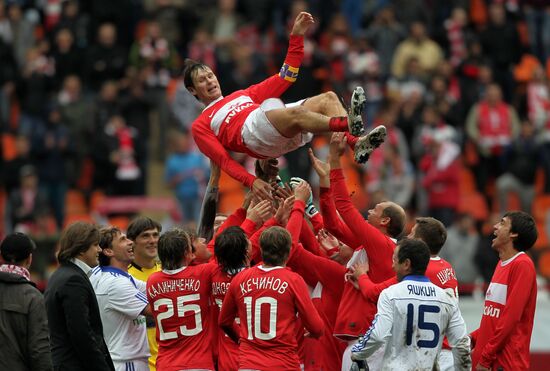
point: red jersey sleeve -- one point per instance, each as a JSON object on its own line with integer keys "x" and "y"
{"x": 521, "y": 275}
{"x": 374, "y": 241}
{"x": 317, "y": 222}
{"x": 209, "y": 144}
{"x": 295, "y": 221}
{"x": 278, "y": 84}
{"x": 249, "y": 227}
{"x": 228, "y": 312}
{"x": 309, "y": 240}
{"x": 333, "y": 223}
{"x": 308, "y": 313}
{"x": 236, "y": 218}
{"x": 256, "y": 255}
{"x": 370, "y": 290}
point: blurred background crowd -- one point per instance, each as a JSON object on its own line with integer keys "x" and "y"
{"x": 93, "y": 109}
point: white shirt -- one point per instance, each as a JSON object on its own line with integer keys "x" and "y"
{"x": 85, "y": 267}
{"x": 413, "y": 318}
{"x": 121, "y": 300}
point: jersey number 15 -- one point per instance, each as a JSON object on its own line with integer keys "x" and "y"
{"x": 422, "y": 325}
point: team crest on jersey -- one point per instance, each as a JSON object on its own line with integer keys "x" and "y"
{"x": 497, "y": 293}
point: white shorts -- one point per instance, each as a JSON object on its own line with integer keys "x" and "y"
{"x": 133, "y": 365}
{"x": 261, "y": 137}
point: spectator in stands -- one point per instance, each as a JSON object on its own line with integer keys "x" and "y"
{"x": 8, "y": 77}
{"x": 23, "y": 32}
{"x": 385, "y": 33}
{"x": 473, "y": 74}
{"x": 186, "y": 173}
{"x": 73, "y": 314}
{"x": 145, "y": 232}
{"x": 538, "y": 110}
{"x": 52, "y": 146}
{"x": 34, "y": 89}
{"x": 68, "y": 59}
{"x": 491, "y": 125}
{"x": 520, "y": 162}
{"x": 537, "y": 16}
{"x": 222, "y": 22}
{"x": 75, "y": 21}
{"x": 27, "y": 205}
{"x": 441, "y": 166}
{"x": 24, "y": 336}
{"x": 11, "y": 168}
{"x": 106, "y": 60}
{"x": 418, "y": 45}
{"x": 461, "y": 246}
{"x": 77, "y": 116}
{"x": 501, "y": 44}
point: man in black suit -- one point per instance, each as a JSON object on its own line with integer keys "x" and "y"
{"x": 73, "y": 314}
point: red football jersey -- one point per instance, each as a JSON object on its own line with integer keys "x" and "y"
{"x": 267, "y": 301}
{"x": 180, "y": 301}
{"x": 441, "y": 273}
{"x": 504, "y": 334}
{"x": 228, "y": 350}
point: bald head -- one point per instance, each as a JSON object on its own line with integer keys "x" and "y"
{"x": 397, "y": 217}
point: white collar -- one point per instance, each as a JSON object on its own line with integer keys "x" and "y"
{"x": 85, "y": 267}
{"x": 212, "y": 103}
{"x": 174, "y": 271}
{"x": 508, "y": 261}
{"x": 269, "y": 269}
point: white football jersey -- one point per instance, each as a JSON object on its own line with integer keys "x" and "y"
{"x": 121, "y": 300}
{"x": 413, "y": 318}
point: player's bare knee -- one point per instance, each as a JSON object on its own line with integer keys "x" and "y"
{"x": 327, "y": 102}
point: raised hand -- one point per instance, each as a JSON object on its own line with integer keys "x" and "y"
{"x": 262, "y": 189}
{"x": 260, "y": 212}
{"x": 302, "y": 191}
{"x": 301, "y": 24}
{"x": 321, "y": 168}
{"x": 284, "y": 210}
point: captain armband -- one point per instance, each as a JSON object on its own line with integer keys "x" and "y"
{"x": 289, "y": 73}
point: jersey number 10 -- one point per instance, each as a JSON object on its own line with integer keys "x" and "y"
{"x": 254, "y": 317}
{"x": 422, "y": 325}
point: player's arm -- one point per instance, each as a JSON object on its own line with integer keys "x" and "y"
{"x": 308, "y": 313}
{"x": 459, "y": 340}
{"x": 228, "y": 313}
{"x": 379, "y": 330}
{"x": 370, "y": 290}
{"x": 278, "y": 84}
{"x": 76, "y": 307}
{"x": 205, "y": 228}
{"x": 521, "y": 275}
{"x": 209, "y": 144}
{"x": 333, "y": 222}
{"x": 128, "y": 300}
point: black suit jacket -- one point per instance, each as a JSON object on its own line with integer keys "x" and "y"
{"x": 75, "y": 324}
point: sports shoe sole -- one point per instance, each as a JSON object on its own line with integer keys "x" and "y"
{"x": 368, "y": 143}
{"x": 358, "y": 103}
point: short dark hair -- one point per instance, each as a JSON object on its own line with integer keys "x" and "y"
{"x": 189, "y": 68}
{"x": 140, "y": 224}
{"x": 417, "y": 252}
{"x": 77, "y": 238}
{"x": 106, "y": 238}
{"x": 397, "y": 220}
{"x": 524, "y": 225}
{"x": 173, "y": 246}
{"x": 230, "y": 248}
{"x": 275, "y": 243}
{"x": 432, "y": 232}
{"x": 16, "y": 247}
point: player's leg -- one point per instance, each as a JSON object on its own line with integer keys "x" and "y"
{"x": 365, "y": 145}
{"x": 314, "y": 115}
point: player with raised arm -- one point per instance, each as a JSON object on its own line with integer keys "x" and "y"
{"x": 412, "y": 318}
{"x": 267, "y": 298}
{"x": 180, "y": 299}
{"x": 504, "y": 334}
{"x": 254, "y": 121}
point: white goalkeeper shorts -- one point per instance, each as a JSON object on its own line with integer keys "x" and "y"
{"x": 261, "y": 137}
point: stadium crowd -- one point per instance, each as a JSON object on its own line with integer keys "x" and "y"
{"x": 462, "y": 89}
